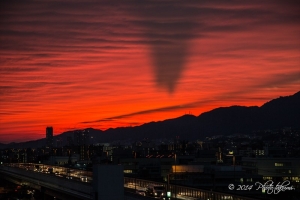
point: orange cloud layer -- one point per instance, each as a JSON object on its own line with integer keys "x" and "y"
{"x": 83, "y": 64}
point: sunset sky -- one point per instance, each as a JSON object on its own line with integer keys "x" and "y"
{"x": 78, "y": 64}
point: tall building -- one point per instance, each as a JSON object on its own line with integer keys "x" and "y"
{"x": 49, "y": 137}
{"x": 81, "y": 139}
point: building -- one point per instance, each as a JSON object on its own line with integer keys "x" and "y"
{"x": 81, "y": 140}
{"x": 49, "y": 137}
{"x": 276, "y": 169}
{"x": 216, "y": 177}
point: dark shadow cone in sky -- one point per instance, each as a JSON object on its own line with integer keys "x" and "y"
{"x": 168, "y": 38}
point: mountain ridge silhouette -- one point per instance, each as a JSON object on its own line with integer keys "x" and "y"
{"x": 274, "y": 114}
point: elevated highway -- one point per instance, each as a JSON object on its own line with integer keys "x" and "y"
{"x": 48, "y": 183}
{"x": 67, "y": 183}
{"x": 63, "y": 186}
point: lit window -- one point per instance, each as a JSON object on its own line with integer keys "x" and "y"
{"x": 267, "y": 178}
{"x": 128, "y": 171}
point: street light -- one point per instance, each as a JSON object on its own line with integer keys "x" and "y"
{"x": 19, "y": 157}
{"x": 135, "y": 171}
{"x": 233, "y": 160}
{"x": 33, "y": 155}
{"x": 13, "y": 151}
{"x": 175, "y": 179}
{"x": 25, "y": 156}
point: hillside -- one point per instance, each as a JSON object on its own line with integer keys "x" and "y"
{"x": 275, "y": 114}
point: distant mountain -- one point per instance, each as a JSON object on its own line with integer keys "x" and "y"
{"x": 21, "y": 145}
{"x": 275, "y": 114}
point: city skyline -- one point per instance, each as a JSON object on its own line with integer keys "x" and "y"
{"x": 78, "y": 65}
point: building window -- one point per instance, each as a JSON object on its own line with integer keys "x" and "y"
{"x": 278, "y": 164}
{"x": 241, "y": 180}
{"x": 286, "y": 164}
{"x": 128, "y": 171}
{"x": 267, "y": 178}
{"x": 296, "y": 179}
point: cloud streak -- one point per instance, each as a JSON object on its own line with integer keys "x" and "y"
{"x": 63, "y": 63}
{"x": 279, "y": 80}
